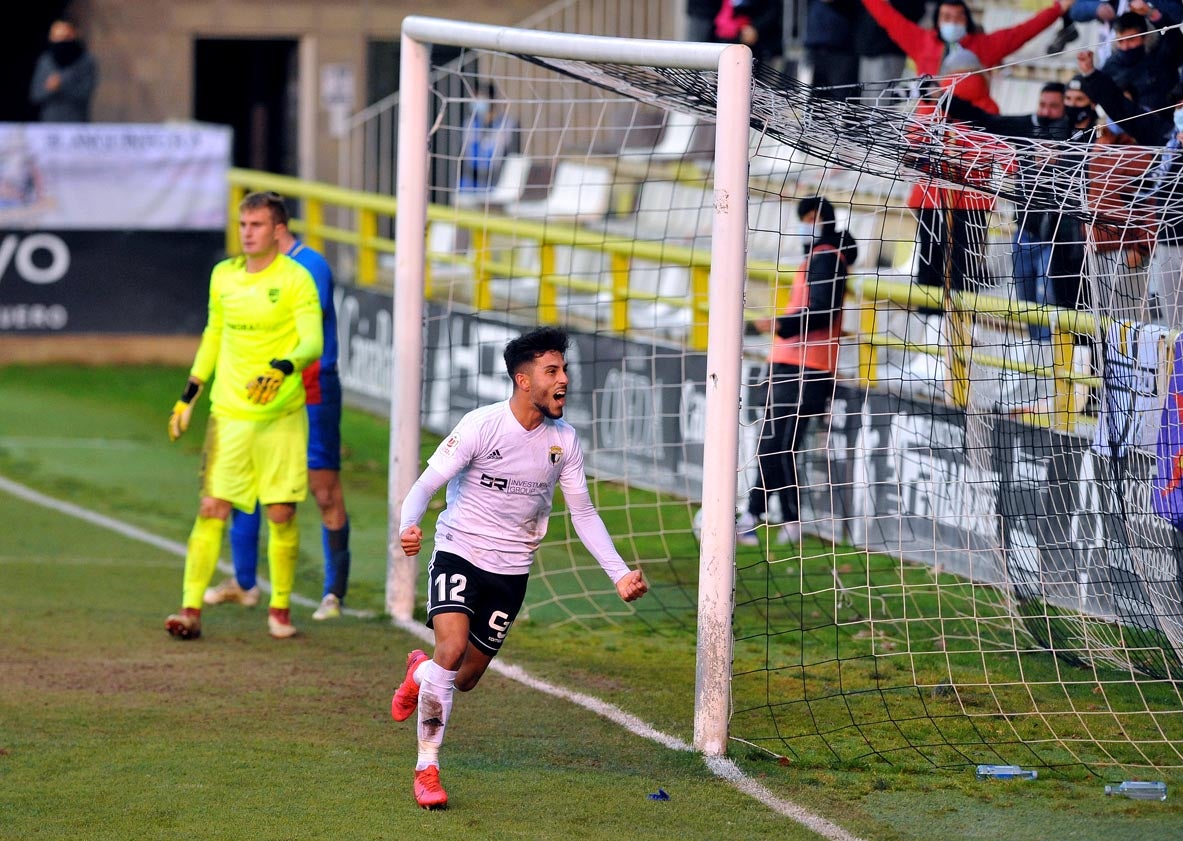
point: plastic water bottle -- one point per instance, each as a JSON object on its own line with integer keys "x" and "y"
{"x": 1006, "y": 772}
{"x": 1139, "y": 790}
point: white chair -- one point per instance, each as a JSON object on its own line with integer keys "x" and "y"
{"x": 683, "y": 135}
{"x": 445, "y": 249}
{"x": 649, "y": 280}
{"x": 768, "y": 158}
{"x": 578, "y": 193}
{"x": 510, "y": 186}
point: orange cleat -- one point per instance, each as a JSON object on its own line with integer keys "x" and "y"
{"x": 429, "y": 793}
{"x": 406, "y": 698}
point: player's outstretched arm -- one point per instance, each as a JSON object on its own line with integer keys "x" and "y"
{"x": 632, "y": 586}
{"x": 182, "y": 412}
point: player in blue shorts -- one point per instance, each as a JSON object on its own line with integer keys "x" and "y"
{"x": 323, "y": 388}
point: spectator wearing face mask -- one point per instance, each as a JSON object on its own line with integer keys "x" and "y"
{"x": 1121, "y": 105}
{"x": 1105, "y": 12}
{"x": 64, "y": 78}
{"x": 953, "y": 25}
{"x": 489, "y": 135}
{"x": 1150, "y": 74}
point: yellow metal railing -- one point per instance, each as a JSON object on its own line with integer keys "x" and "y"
{"x": 484, "y": 261}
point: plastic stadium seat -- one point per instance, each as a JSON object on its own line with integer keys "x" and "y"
{"x": 510, "y": 186}
{"x": 683, "y": 136}
{"x": 665, "y": 319}
{"x": 578, "y": 193}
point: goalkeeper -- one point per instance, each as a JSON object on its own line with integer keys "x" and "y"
{"x": 264, "y": 325}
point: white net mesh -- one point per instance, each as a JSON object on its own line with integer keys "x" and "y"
{"x": 982, "y": 574}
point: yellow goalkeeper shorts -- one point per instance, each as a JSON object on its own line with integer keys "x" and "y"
{"x": 245, "y": 461}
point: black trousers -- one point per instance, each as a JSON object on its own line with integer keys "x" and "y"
{"x": 967, "y": 270}
{"x": 794, "y": 397}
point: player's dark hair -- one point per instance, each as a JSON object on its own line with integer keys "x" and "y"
{"x": 530, "y": 346}
{"x": 270, "y": 201}
{"x": 1054, "y": 87}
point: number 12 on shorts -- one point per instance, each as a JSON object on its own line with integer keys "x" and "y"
{"x": 457, "y": 583}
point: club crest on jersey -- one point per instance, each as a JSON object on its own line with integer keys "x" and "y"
{"x": 273, "y": 295}
{"x": 556, "y": 454}
{"x": 449, "y": 447}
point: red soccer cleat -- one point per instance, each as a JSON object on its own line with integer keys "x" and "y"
{"x": 185, "y": 625}
{"x": 406, "y": 698}
{"x": 429, "y": 793}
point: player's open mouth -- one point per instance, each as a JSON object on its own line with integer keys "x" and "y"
{"x": 560, "y": 396}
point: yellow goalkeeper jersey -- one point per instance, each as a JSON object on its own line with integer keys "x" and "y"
{"x": 255, "y": 317}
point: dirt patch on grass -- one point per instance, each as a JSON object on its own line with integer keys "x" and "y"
{"x": 98, "y": 349}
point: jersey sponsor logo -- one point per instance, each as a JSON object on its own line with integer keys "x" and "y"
{"x": 499, "y": 624}
{"x": 488, "y": 481}
{"x": 517, "y": 487}
{"x": 495, "y": 455}
{"x": 449, "y": 448}
{"x": 273, "y": 295}
{"x": 556, "y": 454}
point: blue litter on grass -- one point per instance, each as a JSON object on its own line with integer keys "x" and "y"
{"x": 662, "y": 794}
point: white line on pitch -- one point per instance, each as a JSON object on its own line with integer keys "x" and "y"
{"x": 725, "y": 769}
{"x": 127, "y": 530}
{"x": 45, "y": 442}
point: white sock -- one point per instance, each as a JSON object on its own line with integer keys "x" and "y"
{"x": 436, "y": 688}
{"x": 417, "y": 675}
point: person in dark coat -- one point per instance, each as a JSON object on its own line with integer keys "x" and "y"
{"x": 64, "y": 78}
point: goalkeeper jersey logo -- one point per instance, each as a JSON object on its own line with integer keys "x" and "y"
{"x": 273, "y": 294}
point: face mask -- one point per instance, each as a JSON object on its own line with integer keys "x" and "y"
{"x": 1077, "y": 114}
{"x": 1179, "y": 119}
{"x": 480, "y": 107}
{"x": 951, "y": 33}
{"x": 1130, "y": 57}
{"x": 65, "y": 53}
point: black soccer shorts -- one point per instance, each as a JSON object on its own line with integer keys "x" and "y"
{"x": 490, "y": 599}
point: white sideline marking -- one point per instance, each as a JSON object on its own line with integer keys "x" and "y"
{"x": 44, "y": 442}
{"x": 725, "y": 769}
{"x": 127, "y": 530}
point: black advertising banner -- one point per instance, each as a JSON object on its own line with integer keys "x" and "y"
{"x": 75, "y": 281}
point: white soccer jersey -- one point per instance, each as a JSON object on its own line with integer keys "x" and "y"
{"x": 501, "y": 485}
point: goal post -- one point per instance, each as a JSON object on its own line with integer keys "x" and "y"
{"x": 732, "y": 65}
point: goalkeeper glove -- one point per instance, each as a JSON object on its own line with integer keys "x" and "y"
{"x": 263, "y": 388}
{"x": 178, "y": 421}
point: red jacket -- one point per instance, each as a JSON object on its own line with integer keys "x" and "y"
{"x": 926, "y": 49}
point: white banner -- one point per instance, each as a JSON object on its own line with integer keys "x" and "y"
{"x": 113, "y": 176}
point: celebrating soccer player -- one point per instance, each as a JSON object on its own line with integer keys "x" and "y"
{"x": 501, "y": 464}
{"x": 264, "y": 325}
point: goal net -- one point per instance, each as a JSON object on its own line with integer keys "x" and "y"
{"x": 982, "y": 575}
